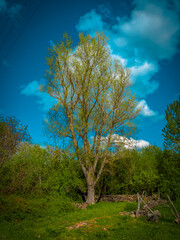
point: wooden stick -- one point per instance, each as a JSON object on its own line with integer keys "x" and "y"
{"x": 139, "y": 205}
{"x": 159, "y": 195}
{"x": 172, "y": 211}
{"x": 177, "y": 214}
{"x": 139, "y": 201}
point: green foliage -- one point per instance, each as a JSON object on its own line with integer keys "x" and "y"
{"x": 132, "y": 172}
{"x": 19, "y": 208}
{"x": 24, "y": 172}
{"x": 12, "y": 133}
{"x": 34, "y": 170}
{"x": 145, "y": 181}
{"x": 64, "y": 175}
{"x": 150, "y": 170}
{"x": 169, "y": 173}
{"x": 171, "y": 132}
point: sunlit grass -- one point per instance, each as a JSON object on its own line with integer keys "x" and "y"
{"x": 99, "y": 221}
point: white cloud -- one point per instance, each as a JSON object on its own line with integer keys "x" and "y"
{"x": 143, "y": 69}
{"x": 44, "y": 99}
{"x": 90, "y": 22}
{"x": 125, "y": 142}
{"x": 137, "y": 144}
{"x": 151, "y": 33}
{"x": 141, "y": 75}
{"x": 140, "y": 41}
{"x": 31, "y": 89}
{"x": 123, "y": 61}
{"x": 153, "y": 28}
{"x": 146, "y": 111}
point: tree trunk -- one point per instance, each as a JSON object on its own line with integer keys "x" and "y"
{"x": 91, "y": 193}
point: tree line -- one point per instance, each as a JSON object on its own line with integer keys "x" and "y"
{"x": 35, "y": 171}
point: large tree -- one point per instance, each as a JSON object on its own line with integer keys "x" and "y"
{"x": 171, "y": 131}
{"x": 93, "y": 93}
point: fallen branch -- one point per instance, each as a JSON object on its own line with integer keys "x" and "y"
{"x": 175, "y": 212}
{"x": 171, "y": 210}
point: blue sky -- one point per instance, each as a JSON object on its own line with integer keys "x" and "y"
{"x": 144, "y": 35}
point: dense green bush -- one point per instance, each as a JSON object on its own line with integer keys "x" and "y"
{"x": 24, "y": 173}
{"x": 18, "y": 208}
{"x": 169, "y": 173}
{"x": 64, "y": 175}
{"x": 150, "y": 170}
{"x": 34, "y": 170}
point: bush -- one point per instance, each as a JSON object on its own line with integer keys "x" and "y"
{"x": 17, "y": 208}
{"x": 169, "y": 172}
{"x": 25, "y": 171}
{"x": 36, "y": 171}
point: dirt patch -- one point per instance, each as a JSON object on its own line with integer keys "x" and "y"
{"x": 82, "y": 224}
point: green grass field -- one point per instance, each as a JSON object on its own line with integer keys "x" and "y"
{"x": 48, "y": 220}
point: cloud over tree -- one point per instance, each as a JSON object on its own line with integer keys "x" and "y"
{"x": 148, "y": 35}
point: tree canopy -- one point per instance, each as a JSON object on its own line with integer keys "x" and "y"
{"x": 93, "y": 91}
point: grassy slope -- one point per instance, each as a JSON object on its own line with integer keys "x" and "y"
{"x": 101, "y": 221}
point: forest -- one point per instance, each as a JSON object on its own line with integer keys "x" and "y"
{"x": 36, "y": 171}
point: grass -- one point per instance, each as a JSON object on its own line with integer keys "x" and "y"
{"x": 43, "y": 219}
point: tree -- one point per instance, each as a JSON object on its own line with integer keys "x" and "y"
{"x": 171, "y": 131}
{"x": 93, "y": 90}
{"x": 12, "y": 133}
